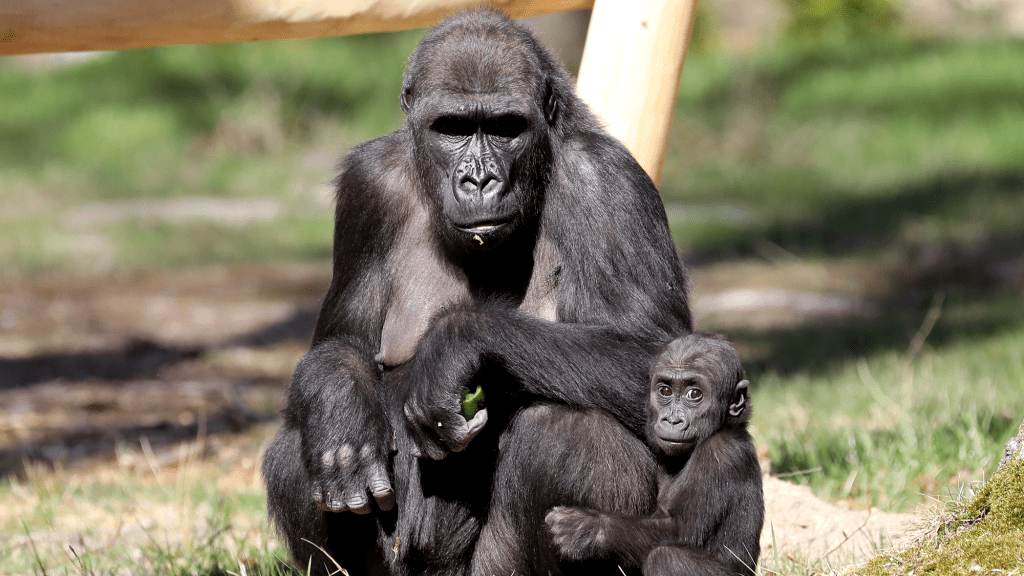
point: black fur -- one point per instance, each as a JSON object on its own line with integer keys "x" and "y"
{"x": 710, "y": 502}
{"x": 500, "y": 238}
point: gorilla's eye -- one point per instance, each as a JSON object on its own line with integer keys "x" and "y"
{"x": 506, "y": 127}
{"x": 454, "y": 126}
{"x": 665, "y": 390}
{"x": 694, "y": 394}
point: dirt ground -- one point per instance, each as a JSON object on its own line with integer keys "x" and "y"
{"x": 102, "y": 376}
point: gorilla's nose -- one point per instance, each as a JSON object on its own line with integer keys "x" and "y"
{"x": 470, "y": 186}
{"x": 478, "y": 179}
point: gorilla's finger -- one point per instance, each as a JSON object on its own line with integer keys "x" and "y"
{"x": 357, "y": 501}
{"x": 416, "y": 417}
{"x": 468, "y": 431}
{"x": 380, "y": 487}
{"x": 346, "y": 469}
{"x": 427, "y": 433}
{"x": 318, "y": 496}
{"x": 424, "y": 446}
{"x": 434, "y": 450}
{"x": 328, "y": 502}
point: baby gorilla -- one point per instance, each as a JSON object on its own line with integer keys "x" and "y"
{"x": 710, "y": 503}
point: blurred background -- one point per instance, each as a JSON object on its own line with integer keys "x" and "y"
{"x": 845, "y": 179}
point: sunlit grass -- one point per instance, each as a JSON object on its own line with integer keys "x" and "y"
{"x": 173, "y": 512}
{"x": 889, "y": 428}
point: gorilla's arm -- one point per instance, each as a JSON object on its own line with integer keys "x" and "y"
{"x": 580, "y": 365}
{"x": 582, "y": 534}
{"x": 334, "y": 400}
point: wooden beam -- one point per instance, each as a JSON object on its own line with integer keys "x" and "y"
{"x": 32, "y": 26}
{"x": 631, "y": 68}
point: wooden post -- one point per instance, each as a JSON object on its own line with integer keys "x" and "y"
{"x": 630, "y": 71}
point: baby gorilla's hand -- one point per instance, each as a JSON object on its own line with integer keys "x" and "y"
{"x": 578, "y": 533}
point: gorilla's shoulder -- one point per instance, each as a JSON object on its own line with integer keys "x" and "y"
{"x": 380, "y": 168}
{"x": 376, "y": 155}
{"x": 600, "y": 166}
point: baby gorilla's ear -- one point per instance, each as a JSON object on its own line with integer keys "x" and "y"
{"x": 737, "y": 408}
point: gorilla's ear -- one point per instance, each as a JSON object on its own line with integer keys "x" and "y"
{"x": 738, "y": 407}
{"x": 550, "y": 103}
{"x": 406, "y": 99}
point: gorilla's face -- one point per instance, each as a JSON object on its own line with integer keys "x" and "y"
{"x": 480, "y": 125}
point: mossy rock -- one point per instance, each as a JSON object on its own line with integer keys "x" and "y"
{"x": 984, "y": 535}
{"x": 1013, "y": 448}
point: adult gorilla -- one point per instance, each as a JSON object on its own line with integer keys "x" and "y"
{"x": 499, "y": 238}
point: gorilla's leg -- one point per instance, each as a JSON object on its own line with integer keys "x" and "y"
{"x": 672, "y": 560}
{"x": 553, "y": 455}
{"x": 350, "y": 539}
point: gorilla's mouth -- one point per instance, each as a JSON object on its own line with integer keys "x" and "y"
{"x": 675, "y": 439}
{"x": 481, "y": 228}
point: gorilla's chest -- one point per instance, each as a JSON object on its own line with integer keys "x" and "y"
{"x": 422, "y": 285}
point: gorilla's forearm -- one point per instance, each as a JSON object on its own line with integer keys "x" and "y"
{"x": 336, "y": 404}
{"x": 575, "y": 364}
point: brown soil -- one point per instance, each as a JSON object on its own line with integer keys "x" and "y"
{"x": 101, "y": 376}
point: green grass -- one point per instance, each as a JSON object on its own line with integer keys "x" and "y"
{"x": 887, "y": 126}
{"x": 215, "y": 547}
{"x": 94, "y": 112}
{"x": 200, "y": 515}
{"x": 885, "y": 429}
{"x": 264, "y": 120}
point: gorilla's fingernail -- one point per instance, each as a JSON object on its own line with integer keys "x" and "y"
{"x": 385, "y": 500}
{"x": 359, "y": 506}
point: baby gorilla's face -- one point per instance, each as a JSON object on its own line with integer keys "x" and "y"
{"x": 683, "y": 411}
{"x": 692, "y": 384}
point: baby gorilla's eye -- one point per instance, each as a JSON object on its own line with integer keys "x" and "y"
{"x": 694, "y": 394}
{"x": 665, "y": 390}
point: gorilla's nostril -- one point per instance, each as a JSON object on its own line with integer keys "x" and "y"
{"x": 491, "y": 185}
{"x": 467, "y": 187}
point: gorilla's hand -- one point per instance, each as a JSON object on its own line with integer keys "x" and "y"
{"x": 446, "y": 362}
{"x": 578, "y": 533}
{"x": 453, "y": 437}
{"x": 344, "y": 431}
